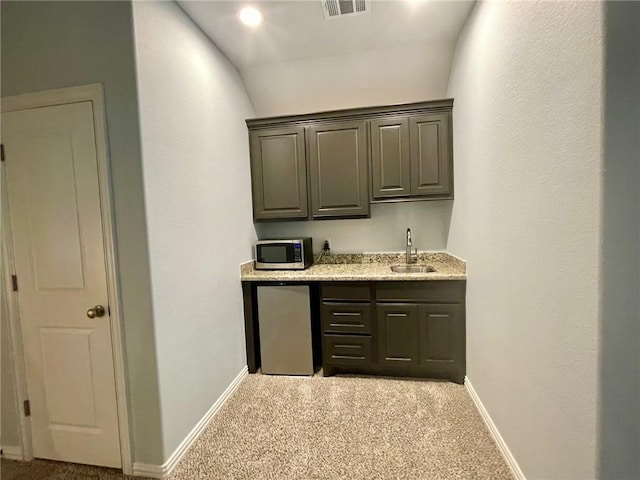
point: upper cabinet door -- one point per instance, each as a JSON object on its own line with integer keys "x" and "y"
{"x": 338, "y": 170}
{"x": 390, "y": 168}
{"x": 279, "y": 173}
{"x": 431, "y": 160}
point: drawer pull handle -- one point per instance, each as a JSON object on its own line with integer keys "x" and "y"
{"x": 353, "y": 357}
{"x": 346, "y": 314}
{"x": 347, "y": 325}
{"x": 437, "y": 315}
{"x": 347, "y": 346}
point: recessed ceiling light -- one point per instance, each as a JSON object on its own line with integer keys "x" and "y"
{"x": 250, "y": 16}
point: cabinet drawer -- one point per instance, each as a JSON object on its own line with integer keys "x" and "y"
{"x": 346, "y": 317}
{"x": 431, "y": 291}
{"x": 358, "y": 291}
{"x": 347, "y": 350}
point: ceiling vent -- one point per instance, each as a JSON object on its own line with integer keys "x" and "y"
{"x": 341, "y": 8}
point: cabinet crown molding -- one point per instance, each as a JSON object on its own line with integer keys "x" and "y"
{"x": 361, "y": 113}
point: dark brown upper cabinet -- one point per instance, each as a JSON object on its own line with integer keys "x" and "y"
{"x": 390, "y": 166}
{"x": 411, "y": 157}
{"x": 334, "y": 164}
{"x": 431, "y": 160}
{"x": 279, "y": 173}
{"x": 338, "y": 170}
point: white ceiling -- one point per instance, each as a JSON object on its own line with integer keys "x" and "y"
{"x": 296, "y": 30}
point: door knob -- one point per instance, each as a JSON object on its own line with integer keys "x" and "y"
{"x": 97, "y": 311}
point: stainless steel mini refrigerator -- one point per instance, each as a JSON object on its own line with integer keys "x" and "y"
{"x": 284, "y": 320}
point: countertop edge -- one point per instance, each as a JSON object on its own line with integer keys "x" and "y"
{"x": 249, "y": 274}
{"x": 396, "y": 278}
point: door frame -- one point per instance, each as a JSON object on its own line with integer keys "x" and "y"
{"x": 95, "y": 94}
{"x": 15, "y": 331}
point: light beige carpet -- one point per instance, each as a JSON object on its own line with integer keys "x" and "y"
{"x": 345, "y": 428}
{"x": 328, "y": 428}
{"x": 47, "y": 470}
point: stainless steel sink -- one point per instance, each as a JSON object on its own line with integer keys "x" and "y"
{"x": 412, "y": 268}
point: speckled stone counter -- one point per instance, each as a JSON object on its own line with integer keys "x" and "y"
{"x": 364, "y": 267}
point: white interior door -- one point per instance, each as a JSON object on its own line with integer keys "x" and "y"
{"x": 56, "y": 225}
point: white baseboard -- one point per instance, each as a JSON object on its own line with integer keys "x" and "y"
{"x": 148, "y": 470}
{"x": 164, "y": 470}
{"x": 12, "y": 452}
{"x": 502, "y": 446}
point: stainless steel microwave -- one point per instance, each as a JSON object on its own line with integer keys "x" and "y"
{"x": 284, "y": 254}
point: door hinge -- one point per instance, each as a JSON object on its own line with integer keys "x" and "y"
{"x": 14, "y": 282}
{"x": 27, "y": 408}
{"x": 2, "y": 151}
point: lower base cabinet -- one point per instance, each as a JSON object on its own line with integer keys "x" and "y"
{"x": 441, "y": 336}
{"x": 419, "y": 329}
{"x": 400, "y": 328}
{"x": 398, "y": 341}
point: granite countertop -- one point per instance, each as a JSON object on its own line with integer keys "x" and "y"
{"x": 363, "y": 267}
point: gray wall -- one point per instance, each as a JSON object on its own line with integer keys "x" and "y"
{"x": 196, "y": 183}
{"x": 411, "y": 73}
{"x": 385, "y": 231}
{"x": 528, "y": 89}
{"x": 619, "y": 415}
{"x": 47, "y": 45}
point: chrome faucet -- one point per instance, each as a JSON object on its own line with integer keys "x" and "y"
{"x": 412, "y": 256}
